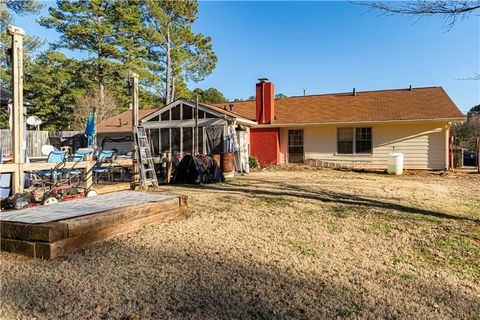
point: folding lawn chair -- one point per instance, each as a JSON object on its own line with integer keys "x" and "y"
{"x": 105, "y": 156}
{"x": 54, "y": 174}
{"x": 78, "y": 156}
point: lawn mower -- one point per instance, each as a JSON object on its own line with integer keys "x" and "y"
{"x": 46, "y": 192}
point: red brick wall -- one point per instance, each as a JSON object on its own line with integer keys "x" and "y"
{"x": 265, "y": 102}
{"x": 265, "y": 145}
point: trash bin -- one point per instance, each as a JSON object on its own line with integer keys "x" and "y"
{"x": 395, "y": 163}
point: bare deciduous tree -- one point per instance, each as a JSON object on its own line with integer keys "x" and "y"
{"x": 451, "y": 11}
{"x": 85, "y": 104}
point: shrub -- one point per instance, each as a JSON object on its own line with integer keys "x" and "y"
{"x": 253, "y": 162}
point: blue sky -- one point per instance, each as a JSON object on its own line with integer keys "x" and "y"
{"x": 330, "y": 47}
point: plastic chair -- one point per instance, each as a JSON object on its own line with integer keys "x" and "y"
{"x": 105, "y": 156}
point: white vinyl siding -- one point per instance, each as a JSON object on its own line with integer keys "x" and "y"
{"x": 424, "y": 145}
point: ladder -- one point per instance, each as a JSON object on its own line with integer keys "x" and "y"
{"x": 146, "y": 169}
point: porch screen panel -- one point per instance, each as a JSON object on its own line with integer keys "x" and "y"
{"x": 187, "y": 140}
{"x": 175, "y": 112}
{"x": 187, "y": 112}
{"x": 165, "y": 139}
{"x": 175, "y": 136}
{"x": 165, "y": 115}
{"x": 200, "y": 140}
{"x": 154, "y": 141}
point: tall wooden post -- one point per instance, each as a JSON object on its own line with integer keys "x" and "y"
{"x": 478, "y": 154}
{"x": 134, "y": 91}
{"x": 196, "y": 148}
{"x": 17, "y": 109}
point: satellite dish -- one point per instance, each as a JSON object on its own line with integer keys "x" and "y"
{"x": 34, "y": 121}
{"x": 46, "y": 149}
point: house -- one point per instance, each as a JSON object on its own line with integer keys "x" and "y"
{"x": 354, "y": 126}
{"x": 173, "y": 129}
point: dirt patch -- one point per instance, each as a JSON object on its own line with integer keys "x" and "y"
{"x": 276, "y": 244}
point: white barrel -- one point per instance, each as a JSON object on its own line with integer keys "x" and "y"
{"x": 395, "y": 163}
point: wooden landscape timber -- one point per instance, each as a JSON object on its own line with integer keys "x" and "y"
{"x": 53, "y": 239}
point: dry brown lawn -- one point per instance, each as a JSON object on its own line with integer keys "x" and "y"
{"x": 279, "y": 244}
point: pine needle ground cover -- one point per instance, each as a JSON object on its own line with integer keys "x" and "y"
{"x": 278, "y": 244}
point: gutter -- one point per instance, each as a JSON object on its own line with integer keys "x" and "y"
{"x": 305, "y": 124}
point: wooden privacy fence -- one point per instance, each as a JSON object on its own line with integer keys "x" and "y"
{"x": 35, "y": 140}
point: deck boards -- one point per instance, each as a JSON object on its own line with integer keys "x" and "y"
{"x": 81, "y": 207}
{"x": 67, "y": 230}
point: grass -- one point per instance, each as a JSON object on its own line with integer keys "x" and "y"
{"x": 382, "y": 227}
{"x": 270, "y": 202}
{"x": 399, "y": 274}
{"x": 346, "y": 312}
{"x": 461, "y": 253}
{"x": 301, "y": 248}
{"x": 305, "y": 244}
{"x": 340, "y": 212}
{"x": 334, "y": 228}
{"x": 309, "y": 215}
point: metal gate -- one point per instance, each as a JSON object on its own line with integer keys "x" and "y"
{"x": 295, "y": 146}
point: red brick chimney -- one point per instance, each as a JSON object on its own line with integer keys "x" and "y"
{"x": 265, "y": 101}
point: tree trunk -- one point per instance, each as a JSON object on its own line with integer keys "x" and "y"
{"x": 168, "y": 86}
{"x": 101, "y": 74}
{"x": 173, "y": 89}
{"x": 101, "y": 87}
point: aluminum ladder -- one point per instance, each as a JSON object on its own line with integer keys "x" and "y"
{"x": 146, "y": 168}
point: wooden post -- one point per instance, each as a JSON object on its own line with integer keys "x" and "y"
{"x": 452, "y": 142}
{"x": 169, "y": 164}
{"x": 88, "y": 171}
{"x": 17, "y": 110}
{"x": 134, "y": 87}
{"x": 196, "y": 148}
{"x": 478, "y": 154}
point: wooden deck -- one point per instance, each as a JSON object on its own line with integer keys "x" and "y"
{"x": 50, "y": 231}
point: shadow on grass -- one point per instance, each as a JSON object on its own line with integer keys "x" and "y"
{"x": 176, "y": 281}
{"x": 291, "y": 190}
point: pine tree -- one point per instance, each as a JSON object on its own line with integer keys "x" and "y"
{"x": 176, "y": 52}
{"x": 87, "y": 25}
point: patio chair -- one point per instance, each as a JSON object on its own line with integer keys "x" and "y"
{"x": 105, "y": 156}
{"x": 54, "y": 174}
{"x": 78, "y": 156}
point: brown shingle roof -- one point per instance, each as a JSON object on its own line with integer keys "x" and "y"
{"x": 122, "y": 122}
{"x": 387, "y": 105}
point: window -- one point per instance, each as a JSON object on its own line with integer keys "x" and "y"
{"x": 354, "y": 140}
{"x": 345, "y": 140}
{"x": 363, "y": 140}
